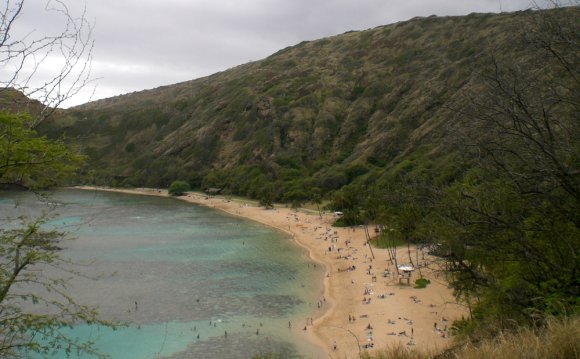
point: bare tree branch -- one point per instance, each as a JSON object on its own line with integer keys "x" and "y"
{"x": 24, "y": 60}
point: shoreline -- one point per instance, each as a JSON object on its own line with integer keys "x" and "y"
{"x": 357, "y": 309}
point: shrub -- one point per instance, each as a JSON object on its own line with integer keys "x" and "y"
{"x": 422, "y": 283}
{"x": 178, "y": 188}
{"x": 130, "y": 147}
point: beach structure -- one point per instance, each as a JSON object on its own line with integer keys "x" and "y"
{"x": 212, "y": 191}
{"x": 405, "y": 273}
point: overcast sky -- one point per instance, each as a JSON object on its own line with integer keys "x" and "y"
{"x": 142, "y": 44}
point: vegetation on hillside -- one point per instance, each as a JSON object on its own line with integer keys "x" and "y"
{"x": 309, "y": 119}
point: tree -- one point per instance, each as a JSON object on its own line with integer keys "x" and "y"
{"x": 34, "y": 307}
{"x": 316, "y": 198}
{"x": 513, "y": 222}
{"x": 178, "y": 188}
{"x": 266, "y": 196}
{"x": 31, "y": 161}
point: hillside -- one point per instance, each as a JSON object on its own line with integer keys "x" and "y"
{"x": 316, "y": 115}
{"x": 12, "y": 100}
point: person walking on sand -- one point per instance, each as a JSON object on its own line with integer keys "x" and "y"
{"x": 334, "y": 345}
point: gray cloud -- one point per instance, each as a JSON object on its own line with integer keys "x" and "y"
{"x": 142, "y": 44}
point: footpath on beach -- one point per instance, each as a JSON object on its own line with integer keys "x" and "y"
{"x": 366, "y": 304}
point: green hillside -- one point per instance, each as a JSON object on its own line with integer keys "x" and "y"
{"x": 316, "y": 115}
{"x": 311, "y": 118}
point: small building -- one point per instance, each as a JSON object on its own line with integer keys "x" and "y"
{"x": 405, "y": 272}
{"x": 212, "y": 191}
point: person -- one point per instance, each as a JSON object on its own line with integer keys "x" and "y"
{"x": 334, "y": 345}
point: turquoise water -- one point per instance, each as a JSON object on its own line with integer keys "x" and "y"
{"x": 174, "y": 271}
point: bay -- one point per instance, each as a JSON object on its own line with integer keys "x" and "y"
{"x": 175, "y": 271}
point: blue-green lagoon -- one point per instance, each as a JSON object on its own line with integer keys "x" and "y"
{"x": 175, "y": 271}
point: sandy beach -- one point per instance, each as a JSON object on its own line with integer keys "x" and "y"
{"x": 365, "y": 305}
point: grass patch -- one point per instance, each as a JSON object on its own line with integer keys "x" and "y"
{"x": 384, "y": 242}
{"x": 559, "y": 339}
{"x": 341, "y": 223}
{"x": 422, "y": 283}
{"x": 396, "y": 351}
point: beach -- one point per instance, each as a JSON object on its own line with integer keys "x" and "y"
{"x": 366, "y": 304}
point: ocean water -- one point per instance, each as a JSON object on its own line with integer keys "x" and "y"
{"x": 179, "y": 275}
